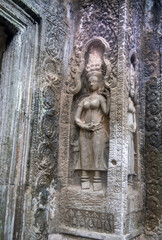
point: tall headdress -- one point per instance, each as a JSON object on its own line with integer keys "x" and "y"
{"x": 94, "y": 64}
{"x": 93, "y": 58}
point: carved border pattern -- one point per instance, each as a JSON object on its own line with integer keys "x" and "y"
{"x": 153, "y": 156}
{"x": 153, "y": 124}
{"x": 56, "y": 32}
{"x": 47, "y": 119}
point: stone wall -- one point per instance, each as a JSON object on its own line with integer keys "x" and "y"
{"x": 40, "y": 192}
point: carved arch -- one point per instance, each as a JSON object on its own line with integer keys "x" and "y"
{"x": 108, "y": 82}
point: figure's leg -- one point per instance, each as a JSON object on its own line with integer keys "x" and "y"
{"x": 131, "y": 164}
{"x": 84, "y": 159}
{"x": 85, "y": 182}
{"x": 98, "y": 149}
{"x": 97, "y": 181}
{"x": 97, "y": 174}
{"x": 98, "y": 154}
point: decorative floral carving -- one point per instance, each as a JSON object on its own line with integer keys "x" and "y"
{"x": 49, "y": 124}
{"x": 154, "y": 171}
{"x": 46, "y": 152}
{"x": 152, "y": 155}
{"x": 52, "y": 71}
{"x": 152, "y": 123}
{"x": 153, "y": 83}
{"x": 153, "y": 108}
{"x": 53, "y": 35}
{"x": 152, "y": 95}
{"x": 93, "y": 24}
{"x": 152, "y": 56}
{"x": 49, "y": 98}
{"x": 51, "y": 92}
{"x": 154, "y": 204}
{"x": 153, "y": 139}
{"x": 152, "y": 188}
{"x": 56, "y": 31}
{"x": 151, "y": 221}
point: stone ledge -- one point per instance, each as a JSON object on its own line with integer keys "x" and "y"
{"x": 75, "y": 234}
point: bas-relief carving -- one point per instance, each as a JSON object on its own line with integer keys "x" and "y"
{"x": 153, "y": 157}
{"x": 77, "y": 76}
{"x": 153, "y": 122}
{"x": 56, "y": 26}
{"x": 92, "y": 111}
{"x": 131, "y": 126}
{"x": 76, "y": 87}
{"x": 46, "y": 111}
{"x": 48, "y": 134}
{"x": 153, "y": 132}
{"x": 89, "y": 27}
{"x": 89, "y": 220}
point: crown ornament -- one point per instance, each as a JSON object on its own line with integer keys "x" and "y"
{"x": 93, "y": 69}
{"x": 94, "y": 65}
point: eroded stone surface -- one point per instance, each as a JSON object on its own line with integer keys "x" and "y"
{"x": 43, "y": 79}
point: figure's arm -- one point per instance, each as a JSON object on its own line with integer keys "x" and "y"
{"x": 78, "y": 116}
{"x": 134, "y": 121}
{"x": 105, "y": 103}
{"x": 132, "y": 110}
{"x": 80, "y": 123}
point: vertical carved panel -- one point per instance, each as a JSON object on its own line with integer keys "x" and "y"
{"x": 153, "y": 154}
{"x": 44, "y": 154}
{"x": 153, "y": 120}
{"x": 94, "y": 20}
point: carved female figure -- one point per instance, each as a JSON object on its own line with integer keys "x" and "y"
{"x": 90, "y": 118}
{"x": 131, "y": 128}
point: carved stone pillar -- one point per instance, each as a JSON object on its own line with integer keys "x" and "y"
{"x": 97, "y": 204}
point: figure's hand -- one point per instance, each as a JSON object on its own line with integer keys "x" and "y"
{"x": 91, "y": 126}
{"x": 84, "y": 125}
{"x": 106, "y": 92}
{"x": 134, "y": 127}
{"x": 131, "y": 126}
{"x": 88, "y": 126}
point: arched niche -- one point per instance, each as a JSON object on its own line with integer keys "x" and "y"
{"x": 104, "y": 49}
{"x": 95, "y": 52}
